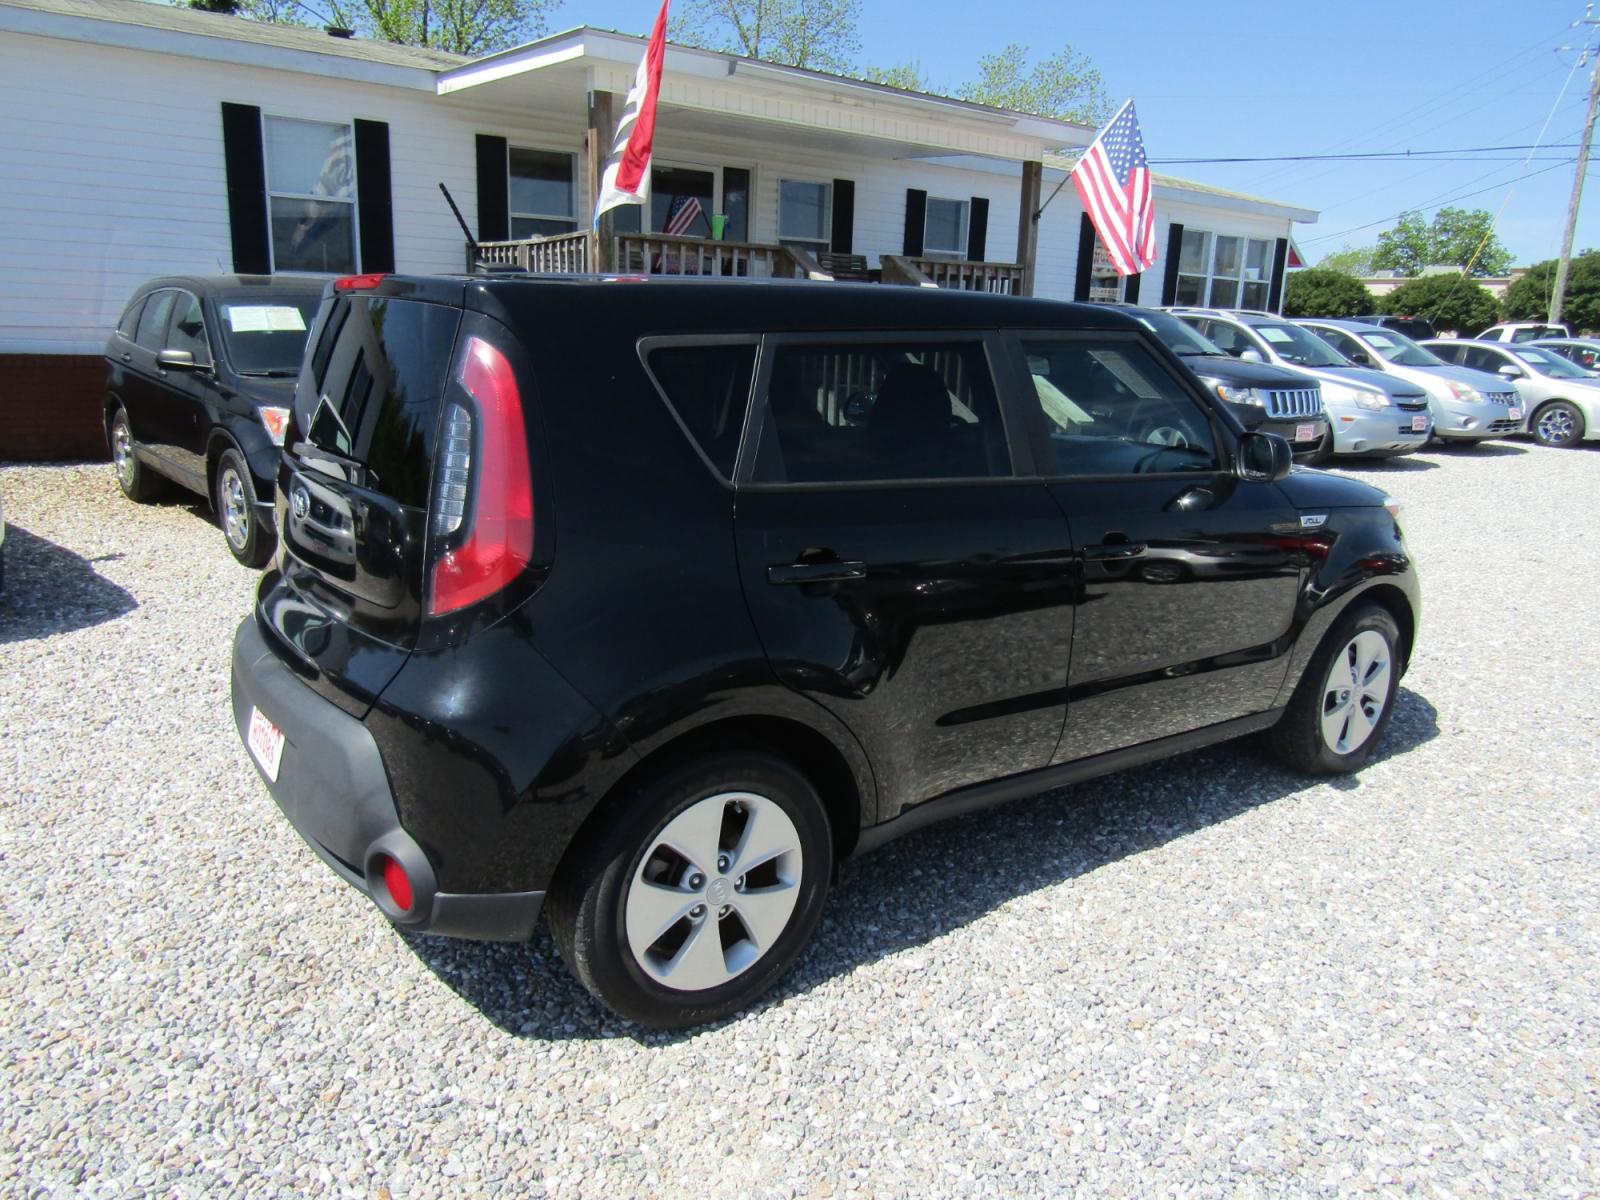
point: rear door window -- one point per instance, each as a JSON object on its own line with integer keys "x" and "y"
{"x": 130, "y": 319}
{"x": 373, "y": 407}
{"x": 707, "y": 386}
{"x": 878, "y": 410}
{"x": 152, "y": 329}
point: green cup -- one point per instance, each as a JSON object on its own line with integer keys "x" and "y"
{"x": 719, "y": 225}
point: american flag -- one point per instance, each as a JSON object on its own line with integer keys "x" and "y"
{"x": 1113, "y": 181}
{"x": 681, "y": 217}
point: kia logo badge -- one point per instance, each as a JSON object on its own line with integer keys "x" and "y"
{"x": 300, "y": 501}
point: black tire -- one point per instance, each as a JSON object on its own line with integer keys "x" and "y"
{"x": 1298, "y": 739}
{"x": 137, "y": 481}
{"x": 1558, "y": 423}
{"x": 587, "y": 905}
{"x": 233, "y": 496}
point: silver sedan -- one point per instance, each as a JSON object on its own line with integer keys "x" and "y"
{"x": 1562, "y": 399}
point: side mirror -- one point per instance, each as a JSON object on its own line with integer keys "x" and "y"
{"x": 1361, "y": 358}
{"x": 1263, "y": 458}
{"x": 175, "y": 360}
{"x": 1251, "y": 356}
{"x": 1510, "y": 372}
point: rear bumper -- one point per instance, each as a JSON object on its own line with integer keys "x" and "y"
{"x": 333, "y": 788}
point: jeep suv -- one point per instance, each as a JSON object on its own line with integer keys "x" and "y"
{"x": 642, "y": 603}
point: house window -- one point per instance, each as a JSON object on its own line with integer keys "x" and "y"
{"x": 1223, "y": 271}
{"x": 944, "y": 232}
{"x": 1105, "y": 285}
{"x": 311, "y": 191}
{"x": 805, "y": 214}
{"x": 543, "y": 195}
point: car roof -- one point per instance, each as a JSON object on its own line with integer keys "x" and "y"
{"x": 215, "y": 284}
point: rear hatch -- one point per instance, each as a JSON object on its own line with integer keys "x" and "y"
{"x": 404, "y": 494}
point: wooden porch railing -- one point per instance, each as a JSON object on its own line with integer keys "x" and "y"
{"x": 665, "y": 254}
{"x": 956, "y": 274}
{"x": 561, "y": 254}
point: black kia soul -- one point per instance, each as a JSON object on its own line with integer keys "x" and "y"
{"x": 644, "y": 603}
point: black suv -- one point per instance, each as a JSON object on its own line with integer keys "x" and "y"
{"x": 644, "y": 603}
{"x": 1265, "y": 398}
{"x": 200, "y": 375}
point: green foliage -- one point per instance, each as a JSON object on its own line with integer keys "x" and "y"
{"x": 471, "y": 27}
{"x": 1456, "y": 237}
{"x": 1452, "y": 302}
{"x": 1065, "y": 86}
{"x": 818, "y": 34}
{"x": 1354, "y": 261}
{"x": 1322, "y": 293}
{"x": 906, "y": 75}
{"x": 1528, "y": 298}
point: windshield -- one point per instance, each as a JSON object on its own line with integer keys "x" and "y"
{"x": 1181, "y": 339}
{"x": 1401, "y": 350}
{"x": 1299, "y": 346}
{"x": 266, "y": 334}
{"x": 1553, "y": 365}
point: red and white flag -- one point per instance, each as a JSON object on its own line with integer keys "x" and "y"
{"x": 626, "y": 179}
{"x": 1113, "y": 181}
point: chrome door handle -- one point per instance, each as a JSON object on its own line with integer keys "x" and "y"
{"x": 817, "y": 572}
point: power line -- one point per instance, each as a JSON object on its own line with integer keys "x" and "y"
{"x": 1379, "y": 155}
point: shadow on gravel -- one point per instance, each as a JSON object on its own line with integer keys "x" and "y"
{"x": 930, "y": 882}
{"x": 1475, "y": 450}
{"x": 49, "y": 589}
{"x": 1398, "y": 464}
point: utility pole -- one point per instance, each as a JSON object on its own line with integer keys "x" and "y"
{"x": 1558, "y": 291}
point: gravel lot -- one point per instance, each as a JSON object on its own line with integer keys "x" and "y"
{"x": 1207, "y": 977}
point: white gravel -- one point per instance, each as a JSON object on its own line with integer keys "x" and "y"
{"x": 1203, "y": 978}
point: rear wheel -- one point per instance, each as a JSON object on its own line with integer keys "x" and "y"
{"x": 699, "y": 897}
{"x": 1344, "y": 700}
{"x": 1559, "y": 424}
{"x": 235, "y": 500}
{"x": 137, "y": 481}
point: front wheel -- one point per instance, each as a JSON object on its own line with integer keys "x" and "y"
{"x": 1558, "y": 424}
{"x": 249, "y": 541}
{"x": 700, "y": 895}
{"x": 1343, "y": 703}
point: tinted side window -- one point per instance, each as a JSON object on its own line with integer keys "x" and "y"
{"x": 378, "y": 404}
{"x": 153, "y": 321}
{"x": 1111, "y": 409}
{"x": 130, "y": 318}
{"x": 189, "y": 329}
{"x": 859, "y": 411}
{"x": 709, "y": 388}
{"x": 1342, "y": 342}
{"x": 1481, "y": 359}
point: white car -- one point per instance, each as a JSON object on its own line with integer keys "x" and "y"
{"x": 1522, "y": 331}
{"x": 1562, "y": 399}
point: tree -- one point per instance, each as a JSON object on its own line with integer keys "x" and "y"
{"x": 907, "y": 76}
{"x": 1354, "y": 261}
{"x": 1528, "y": 298}
{"x": 1457, "y": 237}
{"x": 471, "y": 27}
{"x": 1323, "y": 293}
{"x": 818, "y": 34}
{"x": 1066, "y": 86}
{"x": 1451, "y": 302}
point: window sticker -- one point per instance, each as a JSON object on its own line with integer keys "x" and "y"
{"x": 1278, "y": 336}
{"x": 264, "y": 318}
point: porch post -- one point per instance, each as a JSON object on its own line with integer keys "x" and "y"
{"x": 602, "y": 128}
{"x": 1028, "y": 223}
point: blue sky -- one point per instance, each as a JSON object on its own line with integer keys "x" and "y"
{"x": 1243, "y": 78}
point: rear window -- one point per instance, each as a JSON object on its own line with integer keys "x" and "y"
{"x": 371, "y": 394}
{"x": 708, "y": 387}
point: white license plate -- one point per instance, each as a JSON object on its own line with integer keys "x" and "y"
{"x": 1419, "y": 424}
{"x": 1305, "y": 433}
{"x": 1515, "y": 414}
{"x": 266, "y": 743}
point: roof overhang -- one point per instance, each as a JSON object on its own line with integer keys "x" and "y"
{"x": 709, "y": 89}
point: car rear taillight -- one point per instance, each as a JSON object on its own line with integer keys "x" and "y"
{"x": 483, "y": 489}
{"x": 358, "y": 283}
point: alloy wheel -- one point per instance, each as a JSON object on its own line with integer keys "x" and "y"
{"x": 1356, "y": 690}
{"x": 235, "y": 508}
{"x": 714, "y": 891}
{"x": 1555, "y": 426}
{"x": 122, "y": 452}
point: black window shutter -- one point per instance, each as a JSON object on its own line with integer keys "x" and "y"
{"x": 916, "y": 222}
{"x": 1130, "y": 290}
{"x": 494, "y": 198}
{"x": 1086, "y": 236}
{"x": 246, "y": 172}
{"x": 844, "y": 216}
{"x": 373, "y": 196}
{"x": 1169, "y": 282}
{"x": 978, "y": 229}
{"x": 1279, "y": 261}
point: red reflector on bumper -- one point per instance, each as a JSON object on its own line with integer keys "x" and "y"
{"x": 398, "y": 883}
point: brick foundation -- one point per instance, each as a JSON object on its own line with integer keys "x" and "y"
{"x": 50, "y": 407}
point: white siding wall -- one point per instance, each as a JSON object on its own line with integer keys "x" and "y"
{"x": 114, "y": 173}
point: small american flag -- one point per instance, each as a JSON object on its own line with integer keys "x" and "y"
{"x": 683, "y": 214}
{"x": 1113, "y": 181}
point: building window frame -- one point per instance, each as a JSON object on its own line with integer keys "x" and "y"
{"x": 352, "y": 205}
{"x": 1229, "y": 270}
{"x": 963, "y": 224}
{"x": 513, "y": 214}
{"x": 806, "y": 241}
